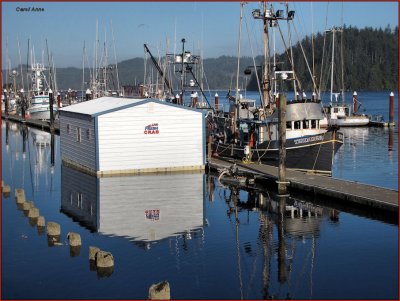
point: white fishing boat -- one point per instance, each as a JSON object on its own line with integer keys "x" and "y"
{"x": 39, "y": 107}
{"x": 338, "y": 112}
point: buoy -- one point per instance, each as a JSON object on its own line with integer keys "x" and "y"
{"x": 53, "y": 229}
{"x": 92, "y": 252}
{"x": 33, "y": 213}
{"x": 160, "y": 291}
{"x": 104, "y": 259}
{"x": 74, "y": 239}
{"x": 40, "y": 221}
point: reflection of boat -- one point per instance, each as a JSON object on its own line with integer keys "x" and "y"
{"x": 141, "y": 208}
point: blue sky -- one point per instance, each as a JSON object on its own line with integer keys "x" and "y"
{"x": 210, "y": 28}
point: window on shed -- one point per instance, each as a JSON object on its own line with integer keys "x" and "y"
{"x": 88, "y": 134}
{"x": 78, "y": 134}
{"x": 68, "y": 128}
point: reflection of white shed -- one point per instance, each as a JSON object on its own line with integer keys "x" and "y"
{"x": 112, "y": 135}
{"x": 146, "y": 207}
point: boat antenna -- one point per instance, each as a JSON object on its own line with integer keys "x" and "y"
{"x": 341, "y": 56}
{"x": 20, "y": 63}
{"x": 115, "y": 57}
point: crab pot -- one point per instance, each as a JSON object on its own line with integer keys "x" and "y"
{"x": 160, "y": 291}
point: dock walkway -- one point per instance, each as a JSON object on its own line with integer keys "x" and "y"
{"x": 43, "y": 125}
{"x": 349, "y": 191}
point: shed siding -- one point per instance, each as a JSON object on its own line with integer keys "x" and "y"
{"x": 83, "y": 152}
{"x": 123, "y": 145}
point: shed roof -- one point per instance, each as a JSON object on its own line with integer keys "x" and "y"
{"x": 104, "y": 105}
{"x": 100, "y": 105}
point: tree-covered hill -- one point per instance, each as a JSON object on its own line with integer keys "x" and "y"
{"x": 370, "y": 62}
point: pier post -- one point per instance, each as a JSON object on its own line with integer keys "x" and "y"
{"x": 216, "y": 102}
{"x": 391, "y": 109}
{"x": 58, "y": 100}
{"x": 88, "y": 94}
{"x": 51, "y": 100}
{"x": 6, "y": 102}
{"x": 354, "y": 102}
{"x": 23, "y": 104}
{"x": 282, "y": 141}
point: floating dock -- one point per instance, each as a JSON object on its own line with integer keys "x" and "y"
{"x": 40, "y": 124}
{"x": 347, "y": 191}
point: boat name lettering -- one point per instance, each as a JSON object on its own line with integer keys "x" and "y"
{"x": 28, "y": 9}
{"x": 308, "y": 139}
{"x": 153, "y": 214}
{"x": 151, "y": 129}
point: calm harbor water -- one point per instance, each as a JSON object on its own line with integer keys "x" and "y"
{"x": 207, "y": 239}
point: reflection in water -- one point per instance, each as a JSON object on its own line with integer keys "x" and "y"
{"x": 37, "y": 150}
{"x": 144, "y": 208}
{"x": 285, "y": 225}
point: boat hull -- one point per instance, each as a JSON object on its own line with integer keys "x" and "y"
{"x": 310, "y": 153}
{"x": 351, "y": 121}
{"x": 42, "y": 113}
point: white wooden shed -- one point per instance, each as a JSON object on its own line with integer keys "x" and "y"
{"x": 111, "y": 136}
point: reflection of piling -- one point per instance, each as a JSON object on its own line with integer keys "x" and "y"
{"x": 52, "y": 153}
{"x": 390, "y": 139}
{"x": 51, "y": 102}
{"x": 282, "y": 141}
{"x": 391, "y": 109}
{"x": 281, "y": 242}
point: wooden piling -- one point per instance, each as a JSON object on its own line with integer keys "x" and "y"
{"x": 354, "y": 102}
{"x": 216, "y": 102}
{"x": 282, "y": 141}
{"x": 160, "y": 291}
{"x": 53, "y": 229}
{"x": 391, "y": 109}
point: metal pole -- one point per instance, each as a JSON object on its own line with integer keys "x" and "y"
{"x": 282, "y": 141}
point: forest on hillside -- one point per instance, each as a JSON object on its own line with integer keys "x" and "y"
{"x": 370, "y": 61}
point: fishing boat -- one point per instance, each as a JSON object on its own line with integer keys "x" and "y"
{"x": 251, "y": 134}
{"x": 339, "y": 112}
{"x": 39, "y": 107}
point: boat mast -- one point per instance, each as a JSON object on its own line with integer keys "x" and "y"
{"x": 266, "y": 75}
{"x": 237, "y": 98}
{"x": 332, "y": 63}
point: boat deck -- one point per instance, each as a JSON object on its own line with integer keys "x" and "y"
{"x": 319, "y": 185}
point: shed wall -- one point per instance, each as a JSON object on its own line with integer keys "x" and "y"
{"x": 124, "y": 145}
{"x": 81, "y": 152}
